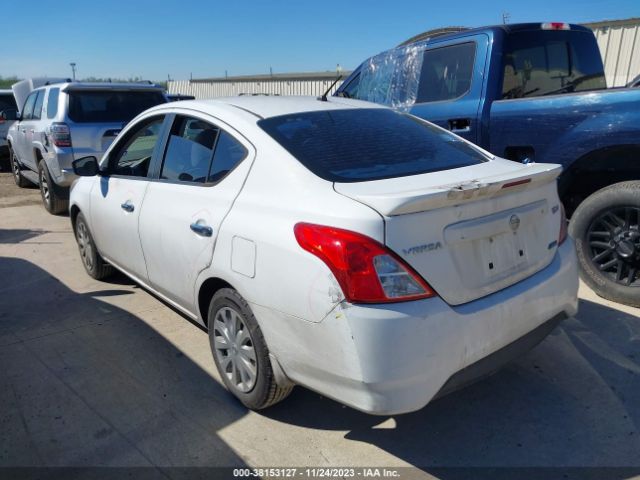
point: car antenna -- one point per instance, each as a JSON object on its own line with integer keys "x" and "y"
{"x": 323, "y": 98}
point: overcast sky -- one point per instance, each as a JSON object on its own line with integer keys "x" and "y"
{"x": 153, "y": 39}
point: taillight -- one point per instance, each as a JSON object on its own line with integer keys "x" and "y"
{"x": 562, "y": 236}
{"x": 556, "y": 26}
{"x": 60, "y": 134}
{"x": 366, "y": 270}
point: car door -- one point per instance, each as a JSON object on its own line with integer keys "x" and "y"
{"x": 20, "y": 142}
{"x": 202, "y": 172}
{"x": 117, "y": 196}
{"x": 451, "y": 85}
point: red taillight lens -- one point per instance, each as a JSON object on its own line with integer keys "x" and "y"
{"x": 60, "y": 134}
{"x": 562, "y": 236}
{"x": 556, "y": 26}
{"x": 367, "y": 271}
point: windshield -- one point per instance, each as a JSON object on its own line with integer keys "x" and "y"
{"x": 549, "y": 62}
{"x": 110, "y": 106}
{"x": 359, "y": 145}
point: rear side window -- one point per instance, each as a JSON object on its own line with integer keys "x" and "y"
{"x": 199, "y": 152}
{"x": 52, "y": 102}
{"x": 446, "y": 72}
{"x": 7, "y": 101}
{"x": 540, "y": 63}
{"x": 88, "y": 106}
{"x": 37, "y": 107}
{"x": 358, "y": 145}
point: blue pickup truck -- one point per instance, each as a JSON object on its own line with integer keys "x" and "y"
{"x": 533, "y": 93}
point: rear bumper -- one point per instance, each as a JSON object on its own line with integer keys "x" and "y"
{"x": 390, "y": 359}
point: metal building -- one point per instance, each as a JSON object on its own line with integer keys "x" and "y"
{"x": 619, "y": 42}
{"x": 315, "y": 83}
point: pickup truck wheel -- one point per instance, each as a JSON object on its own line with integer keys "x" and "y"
{"x": 54, "y": 204}
{"x": 93, "y": 263}
{"x": 606, "y": 229}
{"x": 20, "y": 180}
{"x": 240, "y": 352}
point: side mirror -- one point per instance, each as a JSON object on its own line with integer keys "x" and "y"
{"x": 9, "y": 114}
{"x": 86, "y": 167}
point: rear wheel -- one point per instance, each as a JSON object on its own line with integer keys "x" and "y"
{"x": 606, "y": 229}
{"x": 93, "y": 263}
{"x": 50, "y": 199}
{"x": 16, "y": 169}
{"x": 240, "y": 352}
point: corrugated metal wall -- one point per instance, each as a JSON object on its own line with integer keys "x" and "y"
{"x": 274, "y": 87}
{"x": 620, "y": 50}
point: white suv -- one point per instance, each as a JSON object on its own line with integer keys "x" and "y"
{"x": 364, "y": 253}
{"x": 60, "y": 122}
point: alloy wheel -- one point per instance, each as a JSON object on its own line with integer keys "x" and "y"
{"x": 614, "y": 244}
{"x": 15, "y": 166}
{"x": 234, "y": 349}
{"x": 44, "y": 187}
{"x": 84, "y": 244}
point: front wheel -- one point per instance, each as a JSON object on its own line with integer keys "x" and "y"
{"x": 93, "y": 263}
{"x": 240, "y": 352}
{"x": 16, "y": 169}
{"x": 606, "y": 229}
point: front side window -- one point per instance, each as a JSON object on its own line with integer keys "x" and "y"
{"x": 133, "y": 158}
{"x": 359, "y": 145}
{"x": 446, "y": 72}
{"x": 199, "y": 152}
{"x": 539, "y": 63}
{"x": 27, "y": 110}
{"x": 37, "y": 106}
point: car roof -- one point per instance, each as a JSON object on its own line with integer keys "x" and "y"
{"x": 5, "y": 91}
{"x": 263, "y": 106}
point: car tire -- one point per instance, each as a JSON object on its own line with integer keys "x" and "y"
{"x": 93, "y": 263}
{"x": 237, "y": 344}
{"x": 606, "y": 230}
{"x": 50, "y": 199}
{"x": 16, "y": 169}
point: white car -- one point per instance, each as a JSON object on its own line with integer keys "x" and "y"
{"x": 363, "y": 253}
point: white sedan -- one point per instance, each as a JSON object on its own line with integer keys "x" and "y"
{"x": 363, "y": 253}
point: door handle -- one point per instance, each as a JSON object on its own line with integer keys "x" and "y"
{"x": 202, "y": 230}
{"x": 460, "y": 125}
{"x": 127, "y": 206}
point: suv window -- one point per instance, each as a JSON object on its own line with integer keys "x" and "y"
{"x": 52, "y": 102}
{"x": 27, "y": 111}
{"x": 37, "y": 107}
{"x": 359, "y": 145}
{"x": 548, "y": 62}
{"x": 7, "y": 101}
{"x": 446, "y": 72}
{"x": 86, "y": 106}
{"x": 190, "y": 153}
{"x": 133, "y": 158}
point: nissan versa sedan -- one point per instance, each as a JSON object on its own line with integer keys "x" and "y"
{"x": 360, "y": 252}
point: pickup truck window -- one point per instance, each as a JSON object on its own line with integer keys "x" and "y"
{"x": 547, "y": 63}
{"x": 359, "y": 145}
{"x": 446, "y": 72}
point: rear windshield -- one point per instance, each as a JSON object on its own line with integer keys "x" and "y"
{"x": 110, "y": 106}
{"x": 550, "y": 62}
{"x": 368, "y": 144}
{"x": 7, "y": 100}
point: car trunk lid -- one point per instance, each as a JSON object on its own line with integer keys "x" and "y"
{"x": 497, "y": 224}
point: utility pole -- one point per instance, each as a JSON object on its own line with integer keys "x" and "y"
{"x": 505, "y": 17}
{"x": 73, "y": 70}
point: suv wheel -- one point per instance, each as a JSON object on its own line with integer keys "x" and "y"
{"x": 51, "y": 201}
{"x": 93, "y": 263}
{"x": 16, "y": 169}
{"x": 240, "y": 352}
{"x": 606, "y": 229}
